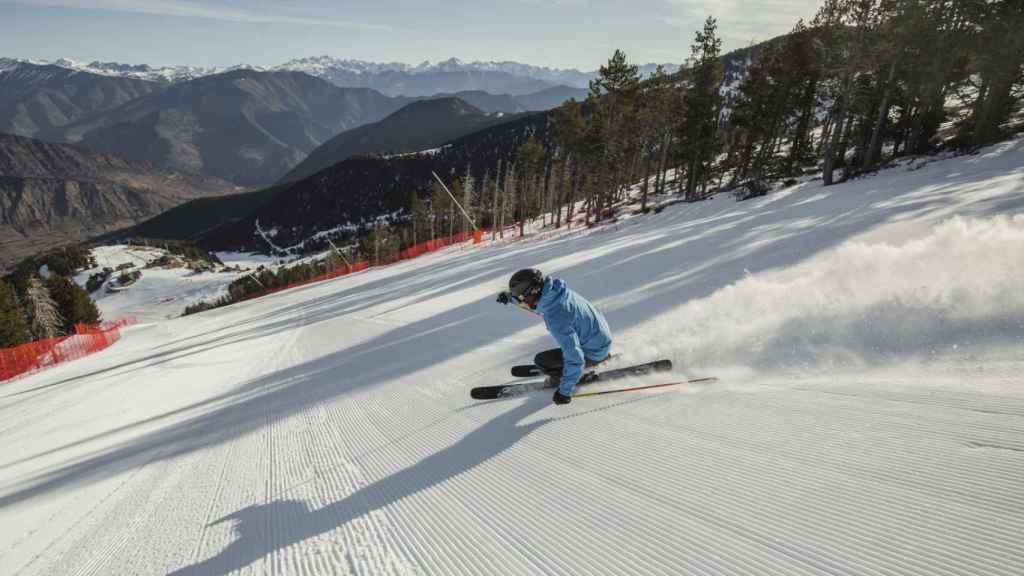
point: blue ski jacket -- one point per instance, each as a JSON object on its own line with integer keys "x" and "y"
{"x": 577, "y": 326}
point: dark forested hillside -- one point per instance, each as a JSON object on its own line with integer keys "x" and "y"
{"x": 358, "y": 190}
{"x": 418, "y": 126}
{"x": 194, "y": 218}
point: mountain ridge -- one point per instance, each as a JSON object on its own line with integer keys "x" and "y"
{"x": 52, "y": 194}
{"x": 348, "y": 72}
{"x": 416, "y": 126}
{"x": 245, "y": 126}
{"x": 36, "y": 100}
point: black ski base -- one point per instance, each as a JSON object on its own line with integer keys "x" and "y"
{"x": 532, "y": 370}
{"x": 520, "y": 388}
{"x": 527, "y": 371}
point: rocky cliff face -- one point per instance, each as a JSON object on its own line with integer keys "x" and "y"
{"x": 52, "y": 194}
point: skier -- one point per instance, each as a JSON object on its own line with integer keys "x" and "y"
{"x": 581, "y": 331}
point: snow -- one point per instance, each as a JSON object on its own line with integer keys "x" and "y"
{"x": 427, "y": 152}
{"x": 160, "y": 293}
{"x": 869, "y": 417}
{"x": 167, "y": 74}
{"x": 245, "y": 259}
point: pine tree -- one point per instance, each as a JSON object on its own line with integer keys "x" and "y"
{"x": 702, "y": 101}
{"x": 73, "y": 303}
{"x": 612, "y": 96}
{"x": 801, "y": 55}
{"x": 935, "y": 47}
{"x": 757, "y": 113}
{"x": 440, "y": 208}
{"x": 592, "y": 150}
{"x": 13, "y": 329}
{"x": 530, "y": 161}
{"x": 44, "y": 318}
{"x": 846, "y": 29}
{"x": 654, "y": 127}
{"x": 508, "y": 195}
{"x": 468, "y": 197}
{"x": 420, "y": 217}
{"x": 569, "y": 127}
{"x": 999, "y": 63}
{"x": 887, "y": 53}
{"x": 496, "y": 220}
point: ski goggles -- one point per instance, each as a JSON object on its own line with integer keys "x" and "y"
{"x": 521, "y": 304}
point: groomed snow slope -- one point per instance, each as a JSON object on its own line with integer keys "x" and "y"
{"x": 869, "y": 418}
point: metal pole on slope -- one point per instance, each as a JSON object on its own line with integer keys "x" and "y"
{"x": 253, "y": 276}
{"x": 338, "y": 252}
{"x": 710, "y": 380}
{"x": 452, "y": 196}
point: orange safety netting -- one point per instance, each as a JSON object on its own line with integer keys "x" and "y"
{"x": 43, "y": 354}
{"x": 407, "y": 254}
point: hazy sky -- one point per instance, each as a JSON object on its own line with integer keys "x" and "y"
{"x": 558, "y": 33}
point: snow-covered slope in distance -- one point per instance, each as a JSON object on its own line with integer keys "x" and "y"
{"x": 869, "y": 418}
{"x": 162, "y": 293}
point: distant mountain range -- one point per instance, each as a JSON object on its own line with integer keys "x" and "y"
{"x": 181, "y": 134}
{"x": 356, "y": 191}
{"x": 391, "y": 78}
{"x": 37, "y": 100}
{"x": 349, "y": 193}
{"x": 54, "y": 194}
{"x": 244, "y": 126}
{"x": 343, "y": 190}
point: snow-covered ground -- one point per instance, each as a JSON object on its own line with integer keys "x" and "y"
{"x": 869, "y": 418}
{"x": 161, "y": 293}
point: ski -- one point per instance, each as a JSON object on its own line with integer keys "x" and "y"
{"x": 520, "y": 388}
{"x": 630, "y": 371}
{"x": 531, "y": 370}
{"x": 507, "y": 390}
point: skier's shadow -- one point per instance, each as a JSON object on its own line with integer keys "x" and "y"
{"x": 294, "y": 521}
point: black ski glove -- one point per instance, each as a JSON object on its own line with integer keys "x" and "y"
{"x": 503, "y": 298}
{"x": 560, "y": 399}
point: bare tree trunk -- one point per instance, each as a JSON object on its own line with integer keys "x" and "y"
{"x": 663, "y": 163}
{"x": 560, "y": 191}
{"x": 643, "y": 190}
{"x": 574, "y": 178}
{"x": 875, "y": 148}
{"x": 494, "y": 206}
{"x": 831, "y": 144}
{"x": 826, "y": 134}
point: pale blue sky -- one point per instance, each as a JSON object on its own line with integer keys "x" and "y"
{"x": 558, "y": 33}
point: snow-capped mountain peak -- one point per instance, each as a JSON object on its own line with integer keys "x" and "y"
{"x": 348, "y": 72}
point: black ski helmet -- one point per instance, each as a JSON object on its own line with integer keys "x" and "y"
{"x": 526, "y": 284}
